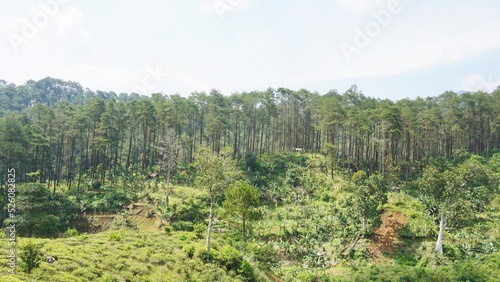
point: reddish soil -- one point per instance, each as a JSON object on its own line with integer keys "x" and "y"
{"x": 383, "y": 238}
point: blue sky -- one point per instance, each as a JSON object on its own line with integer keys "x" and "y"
{"x": 390, "y": 49}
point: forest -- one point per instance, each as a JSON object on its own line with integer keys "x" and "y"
{"x": 273, "y": 185}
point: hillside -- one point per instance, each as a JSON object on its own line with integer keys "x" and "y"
{"x": 131, "y": 255}
{"x": 274, "y": 185}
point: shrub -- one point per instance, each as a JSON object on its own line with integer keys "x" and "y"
{"x": 139, "y": 270}
{"x": 246, "y": 270}
{"x": 30, "y": 256}
{"x": 210, "y": 272}
{"x": 189, "y": 250}
{"x": 139, "y": 243}
{"x": 229, "y": 258}
{"x": 167, "y": 229}
{"x": 39, "y": 213}
{"x": 182, "y": 226}
{"x": 199, "y": 229}
{"x": 110, "y": 278}
{"x": 70, "y": 232}
{"x": 158, "y": 259}
{"x": 405, "y": 258}
{"x": 203, "y": 255}
{"x": 265, "y": 255}
{"x": 115, "y": 236}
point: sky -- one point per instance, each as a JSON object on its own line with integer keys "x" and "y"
{"x": 388, "y": 48}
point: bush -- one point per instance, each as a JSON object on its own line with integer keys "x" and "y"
{"x": 188, "y": 250}
{"x": 246, "y": 270}
{"x": 167, "y": 229}
{"x": 39, "y": 213}
{"x": 115, "y": 236}
{"x": 265, "y": 255}
{"x": 199, "y": 229}
{"x": 203, "y": 255}
{"x": 182, "y": 226}
{"x": 70, "y": 232}
{"x": 229, "y": 258}
{"x": 110, "y": 278}
{"x": 210, "y": 272}
{"x": 30, "y": 256}
{"x": 405, "y": 258}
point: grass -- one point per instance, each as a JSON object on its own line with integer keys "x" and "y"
{"x": 125, "y": 255}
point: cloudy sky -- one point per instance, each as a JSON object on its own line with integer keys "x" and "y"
{"x": 390, "y": 49}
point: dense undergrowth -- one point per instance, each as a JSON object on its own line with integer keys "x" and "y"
{"x": 307, "y": 226}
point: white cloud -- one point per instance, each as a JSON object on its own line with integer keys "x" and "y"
{"x": 477, "y": 81}
{"x": 46, "y": 26}
{"x": 454, "y": 54}
{"x": 69, "y": 23}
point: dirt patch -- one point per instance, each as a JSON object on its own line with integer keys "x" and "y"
{"x": 383, "y": 238}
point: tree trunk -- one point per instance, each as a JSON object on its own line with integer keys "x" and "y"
{"x": 209, "y": 228}
{"x": 168, "y": 186}
{"x": 243, "y": 229}
{"x": 439, "y": 242}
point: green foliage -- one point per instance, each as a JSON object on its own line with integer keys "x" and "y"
{"x": 241, "y": 201}
{"x": 70, "y": 232}
{"x": 189, "y": 250}
{"x": 290, "y": 234}
{"x": 494, "y": 163}
{"x": 368, "y": 196}
{"x": 41, "y": 214}
{"x": 408, "y": 258}
{"x": 31, "y": 256}
{"x": 265, "y": 255}
{"x": 214, "y": 172}
{"x": 106, "y": 199}
{"x": 182, "y": 226}
{"x": 265, "y": 169}
{"x": 115, "y": 236}
{"x": 228, "y": 257}
{"x": 419, "y": 223}
{"x": 168, "y": 229}
{"x": 246, "y": 270}
{"x": 199, "y": 229}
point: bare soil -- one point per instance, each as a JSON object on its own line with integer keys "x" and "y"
{"x": 383, "y": 238}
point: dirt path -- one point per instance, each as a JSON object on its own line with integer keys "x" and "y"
{"x": 383, "y": 238}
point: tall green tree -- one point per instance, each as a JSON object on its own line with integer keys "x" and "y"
{"x": 12, "y": 144}
{"x": 457, "y": 193}
{"x": 215, "y": 173}
{"x": 241, "y": 201}
{"x": 36, "y": 214}
{"x": 369, "y": 196}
